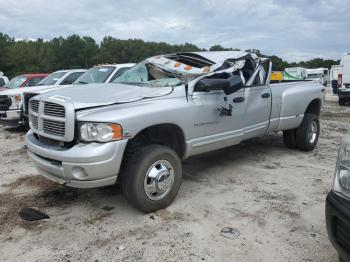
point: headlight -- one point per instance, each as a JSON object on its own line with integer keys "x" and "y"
{"x": 341, "y": 182}
{"x": 16, "y": 101}
{"x": 100, "y": 132}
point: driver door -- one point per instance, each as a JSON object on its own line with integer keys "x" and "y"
{"x": 211, "y": 129}
{"x": 258, "y": 101}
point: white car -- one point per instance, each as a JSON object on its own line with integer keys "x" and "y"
{"x": 103, "y": 73}
{"x": 95, "y": 75}
{"x": 11, "y": 101}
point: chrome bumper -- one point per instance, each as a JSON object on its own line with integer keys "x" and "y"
{"x": 83, "y": 166}
{"x": 11, "y": 118}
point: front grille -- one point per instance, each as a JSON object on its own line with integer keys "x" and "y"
{"x": 52, "y": 109}
{"x": 27, "y": 97}
{"x": 35, "y": 122}
{"x": 52, "y": 120}
{"x": 35, "y": 106}
{"x": 342, "y": 234}
{"x": 54, "y": 127}
{"x": 5, "y": 103}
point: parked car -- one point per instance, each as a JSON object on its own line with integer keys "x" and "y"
{"x": 103, "y": 73}
{"x": 344, "y": 80}
{"x": 162, "y": 110}
{"x": 336, "y": 70}
{"x": 3, "y": 80}
{"x": 23, "y": 81}
{"x": 317, "y": 74}
{"x": 338, "y": 203}
{"x": 11, "y": 101}
{"x": 96, "y": 74}
{"x": 62, "y": 77}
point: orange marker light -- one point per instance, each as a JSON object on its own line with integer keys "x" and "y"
{"x": 177, "y": 64}
{"x": 117, "y": 131}
{"x": 188, "y": 67}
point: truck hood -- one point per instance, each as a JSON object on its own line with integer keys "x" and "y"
{"x": 86, "y": 96}
{"x": 21, "y": 90}
{"x": 47, "y": 89}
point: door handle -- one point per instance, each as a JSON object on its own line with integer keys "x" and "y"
{"x": 265, "y": 95}
{"x": 238, "y": 99}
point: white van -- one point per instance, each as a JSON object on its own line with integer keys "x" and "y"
{"x": 333, "y": 77}
{"x": 318, "y": 74}
{"x": 344, "y": 80}
{"x": 294, "y": 73}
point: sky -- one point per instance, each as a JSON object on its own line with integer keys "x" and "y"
{"x": 294, "y": 30}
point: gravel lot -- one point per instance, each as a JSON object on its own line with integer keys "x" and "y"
{"x": 274, "y": 196}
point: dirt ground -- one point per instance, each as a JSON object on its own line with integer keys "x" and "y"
{"x": 274, "y": 196}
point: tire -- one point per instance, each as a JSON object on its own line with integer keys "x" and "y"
{"x": 342, "y": 101}
{"x": 289, "y": 138}
{"x": 159, "y": 161}
{"x": 307, "y": 133}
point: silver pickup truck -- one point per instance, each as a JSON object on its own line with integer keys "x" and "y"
{"x": 136, "y": 130}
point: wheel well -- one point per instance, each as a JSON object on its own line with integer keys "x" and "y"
{"x": 169, "y": 135}
{"x": 314, "y": 107}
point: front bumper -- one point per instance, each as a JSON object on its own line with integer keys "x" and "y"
{"x": 12, "y": 118}
{"x": 344, "y": 93}
{"x": 84, "y": 165}
{"x": 338, "y": 224}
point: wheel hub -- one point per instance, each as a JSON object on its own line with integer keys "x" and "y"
{"x": 159, "y": 180}
{"x": 313, "y": 132}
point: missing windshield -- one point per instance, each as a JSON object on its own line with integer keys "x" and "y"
{"x": 152, "y": 75}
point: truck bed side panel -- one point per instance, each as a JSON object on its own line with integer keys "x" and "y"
{"x": 290, "y": 101}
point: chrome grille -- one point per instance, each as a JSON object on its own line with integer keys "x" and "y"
{"x": 35, "y": 106}
{"x": 52, "y": 109}
{"x": 5, "y": 103}
{"x": 54, "y": 127}
{"x": 52, "y": 120}
{"x": 35, "y": 122}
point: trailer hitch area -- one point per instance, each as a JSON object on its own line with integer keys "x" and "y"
{"x": 225, "y": 111}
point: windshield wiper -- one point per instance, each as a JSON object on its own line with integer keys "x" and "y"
{"x": 82, "y": 82}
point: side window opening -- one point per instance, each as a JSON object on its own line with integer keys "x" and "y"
{"x": 71, "y": 78}
{"x": 119, "y": 73}
{"x": 257, "y": 80}
{"x": 264, "y": 68}
{"x": 261, "y": 74}
{"x": 34, "y": 81}
{"x": 248, "y": 70}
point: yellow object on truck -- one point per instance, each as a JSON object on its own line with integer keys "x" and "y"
{"x": 277, "y": 75}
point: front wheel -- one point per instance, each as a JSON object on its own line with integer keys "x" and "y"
{"x": 308, "y": 132}
{"x": 152, "y": 178}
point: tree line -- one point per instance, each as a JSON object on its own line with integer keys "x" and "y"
{"x": 23, "y": 56}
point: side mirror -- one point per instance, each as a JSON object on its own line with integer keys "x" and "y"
{"x": 229, "y": 86}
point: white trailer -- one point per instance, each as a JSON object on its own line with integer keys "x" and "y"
{"x": 344, "y": 80}
{"x": 345, "y": 63}
{"x": 294, "y": 73}
{"x": 336, "y": 70}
